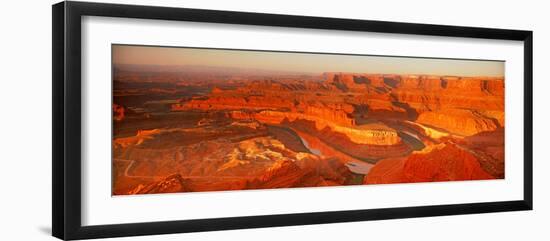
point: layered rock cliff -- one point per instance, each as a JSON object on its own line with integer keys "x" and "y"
{"x": 459, "y": 121}
{"x": 343, "y": 125}
{"x": 343, "y": 102}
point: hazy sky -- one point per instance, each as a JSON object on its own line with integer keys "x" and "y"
{"x": 299, "y": 62}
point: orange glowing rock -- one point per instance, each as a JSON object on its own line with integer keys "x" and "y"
{"x": 118, "y": 112}
{"x": 291, "y": 132}
{"x": 170, "y": 184}
{"x": 443, "y": 162}
{"x": 459, "y": 121}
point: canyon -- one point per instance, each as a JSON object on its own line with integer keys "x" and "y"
{"x": 266, "y": 130}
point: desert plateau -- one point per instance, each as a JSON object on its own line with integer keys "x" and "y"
{"x": 195, "y": 127}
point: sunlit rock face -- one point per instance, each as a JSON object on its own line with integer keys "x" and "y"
{"x": 461, "y": 105}
{"x": 375, "y": 136}
{"x": 443, "y": 162}
{"x": 459, "y": 121}
{"x": 252, "y": 132}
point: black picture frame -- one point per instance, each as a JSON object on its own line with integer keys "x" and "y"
{"x": 66, "y": 128}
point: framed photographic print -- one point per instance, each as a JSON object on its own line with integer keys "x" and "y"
{"x": 170, "y": 120}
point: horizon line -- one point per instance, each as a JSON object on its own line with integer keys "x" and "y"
{"x": 310, "y": 73}
{"x": 295, "y": 61}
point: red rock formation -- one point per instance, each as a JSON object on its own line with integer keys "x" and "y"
{"x": 431, "y": 93}
{"x": 443, "y": 162}
{"x": 170, "y": 184}
{"x": 385, "y": 146}
{"x": 280, "y": 132}
{"x": 436, "y": 101}
{"x": 346, "y": 82}
{"x": 337, "y": 124}
{"x": 285, "y": 174}
{"x": 216, "y": 90}
{"x": 458, "y": 121}
{"x": 489, "y": 146}
{"x": 494, "y": 85}
{"x": 381, "y": 147}
{"x": 404, "y": 96}
{"x": 118, "y": 112}
{"x": 229, "y": 102}
{"x": 424, "y": 82}
{"x": 310, "y": 173}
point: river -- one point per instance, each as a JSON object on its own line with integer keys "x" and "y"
{"x": 318, "y": 147}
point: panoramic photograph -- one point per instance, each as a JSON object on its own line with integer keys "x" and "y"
{"x": 200, "y": 119}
